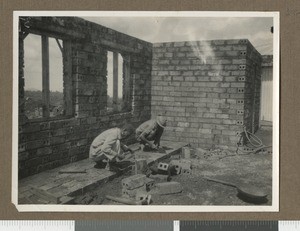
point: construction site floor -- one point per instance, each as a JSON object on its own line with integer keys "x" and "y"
{"x": 51, "y": 185}
{"x": 253, "y": 169}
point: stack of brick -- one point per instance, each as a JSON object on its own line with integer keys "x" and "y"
{"x": 48, "y": 143}
{"x": 204, "y": 88}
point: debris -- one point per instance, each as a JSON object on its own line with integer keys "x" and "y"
{"x": 141, "y": 166}
{"x": 127, "y": 201}
{"x": 160, "y": 177}
{"x": 168, "y": 188}
{"x": 248, "y": 191}
{"x": 161, "y": 168}
{"x": 186, "y": 153}
{"x": 133, "y": 192}
{"x": 149, "y": 184}
{"x": 182, "y": 166}
{"x": 134, "y": 181}
{"x": 200, "y": 151}
{"x": 143, "y": 197}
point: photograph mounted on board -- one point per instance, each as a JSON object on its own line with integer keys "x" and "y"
{"x": 146, "y": 111}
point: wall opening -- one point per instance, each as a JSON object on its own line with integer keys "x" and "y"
{"x": 33, "y": 77}
{"x": 43, "y": 74}
{"x": 116, "y": 100}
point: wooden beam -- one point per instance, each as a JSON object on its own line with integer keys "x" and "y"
{"x": 68, "y": 84}
{"x": 127, "y": 80}
{"x": 54, "y": 31}
{"x": 59, "y": 45}
{"x": 45, "y": 76}
{"x": 116, "y": 47}
{"x": 23, "y": 35}
{"x": 115, "y": 78}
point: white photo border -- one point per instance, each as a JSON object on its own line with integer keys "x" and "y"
{"x": 169, "y": 208}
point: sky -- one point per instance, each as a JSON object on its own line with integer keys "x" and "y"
{"x": 154, "y": 30}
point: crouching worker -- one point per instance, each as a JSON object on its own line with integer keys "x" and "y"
{"x": 149, "y": 131}
{"x": 107, "y": 149}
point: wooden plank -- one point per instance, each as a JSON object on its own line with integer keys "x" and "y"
{"x": 44, "y": 195}
{"x": 59, "y": 45}
{"x": 45, "y": 76}
{"x": 68, "y": 84}
{"x": 115, "y": 78}
{"x": 127, "y": 80}
{"x": 54, "y": 31}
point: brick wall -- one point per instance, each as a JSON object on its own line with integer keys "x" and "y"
{"x": 205, "y": 88}
{"x": 49, "y": 143}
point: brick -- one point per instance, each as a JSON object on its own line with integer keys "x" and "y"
{"x": 204, "y": 131}
{"x": 174, "y": 73}
{"x": 190, "y": 78}
{"x": 176, "y": 164}
{"x": 163, "y": 166}
{"x": 168, "y": 188}
{"x": 134, "y": 181}
{"x": 44, "y": 151}
{"x": 186, "y": 153}
{"x": 179, "y": 78}
{"x": 141, "y": 166}
{"x": 132, "y": 193}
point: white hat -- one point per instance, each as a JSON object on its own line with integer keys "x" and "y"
{"x": 162, "y": 121}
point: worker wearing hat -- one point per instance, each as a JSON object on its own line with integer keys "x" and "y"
{"x": 108, "y": 147}
{"x": 149, "y": 131}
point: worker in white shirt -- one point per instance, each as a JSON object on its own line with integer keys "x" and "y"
{"x": 107, "y": 146}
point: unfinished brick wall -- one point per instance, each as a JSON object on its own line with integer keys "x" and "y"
{"x": 49, "y": 143}
{"x": 206, "y": 89}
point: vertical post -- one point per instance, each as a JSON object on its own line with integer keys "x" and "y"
{"x": 67, "y": 67}
{"x": 254, "y": 100}
{"x": 126, "y": 84}
{"x": 45, "y": 71}
{"x": 115, "y": 79}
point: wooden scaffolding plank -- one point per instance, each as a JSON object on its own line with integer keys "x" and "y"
{"x": 45, "y": 72}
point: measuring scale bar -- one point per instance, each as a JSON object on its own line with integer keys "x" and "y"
{"x": 143, "y": 225}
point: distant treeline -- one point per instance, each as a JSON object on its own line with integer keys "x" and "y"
{"x": 33, "y": 99}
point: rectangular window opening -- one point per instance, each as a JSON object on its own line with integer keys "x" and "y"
{"x": 43, "y": 75}
{"x": 117, "y": 72}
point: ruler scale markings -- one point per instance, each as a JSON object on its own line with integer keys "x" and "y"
{"x": 36, "y": 225}
{"x": 289, "y": 225}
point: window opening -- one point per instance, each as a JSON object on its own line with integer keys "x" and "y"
{"x": 43, "y": 74}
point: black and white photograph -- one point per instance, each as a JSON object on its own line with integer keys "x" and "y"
{"x": 146, "y": 111}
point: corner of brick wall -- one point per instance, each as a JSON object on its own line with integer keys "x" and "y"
{"x": 200, "y": 86}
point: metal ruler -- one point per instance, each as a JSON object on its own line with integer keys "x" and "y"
{"x": 132, "y": 225}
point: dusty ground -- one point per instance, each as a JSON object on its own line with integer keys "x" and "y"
{"x": 251, "y": 169}
{"x": 254, "y": 169}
